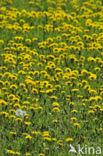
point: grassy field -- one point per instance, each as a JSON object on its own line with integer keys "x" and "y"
{"x": 51, "y": 77}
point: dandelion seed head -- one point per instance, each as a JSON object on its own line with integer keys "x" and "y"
{"x": 19, "y": 112}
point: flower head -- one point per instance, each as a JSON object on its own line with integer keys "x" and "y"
{"x": 19, "y": 112}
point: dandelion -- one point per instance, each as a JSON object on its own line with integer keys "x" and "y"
{"x": 77, "y": 125}
{"x": 73, "y": 118}
{"x": 47, "y": 139}
{"x": 13, "y": 133}
{"x": 19, "y": 112}
{"x": 3, "y": 102}
{"x": 28, "y": 137}
{"x": 41, "y": 154}
{"x": 69, "y": 139}
{"x": 10, "y": 152}
{"x": 55, "y": 121}
{"x": 27, "y": 123}
{"x": 74, "y": 111}
{"x": 60, "y": 143}
{"x": 28, "y": 154}
{"x": 91, "y": 112}
{"x": 55, "y": 104}
{"x": 36, "y": 133}
{"x": 4, "y": 114}
{"x": 56, "y": 109}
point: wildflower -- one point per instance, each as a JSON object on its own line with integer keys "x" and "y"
{"x": 77, "y": 125}
{"x": 60, "y": 143}
{"x": 75, "y": 90}
{"x": 101, "y": 109}
{"x": 35, "y": 91}
{"x": 55, "y": 104}
{"x": 41, "y": 154}
{"x": 13, "y": 133}
{"x": 27, "y": 154}
{"x": 27, "y": 123}
{"x": 36, "y": 132}
{"x": 17, "y": 153}
{"x": 74, "y": 111}
{"x": 95, "y": 119}
{"x": 11, "y": 96}
{"x": 1, "y": 83}
{"x": 17, "y": 105}
{"x": 12, "y": 117}
{"x": 4, "y": 114}
{"x": 97, "y": 106}
{"x": 91, "y": 112}
{"x": 73, "y": 118}
{"x": 91, "y": 91}
{"x": 53, "y": 97}
{"x": 10, "y": 152}
{"x": 56, "y": 109}
{"x": 28, "y": 137}
{"x": 13, "y": 87}
{"x": 55, "y": 121}
{"x": 3, "y": 102}
{"x": 46, "y": 148}
{"x": 19, "y": 119}
{"x": 19, "y": 112}
{"x": 69, "y": 139}
{"x": 92, "y": 77}
{"x": 45, "y": 133}
{"x": 47, "y": 139}
{"x": 97, "y": 69}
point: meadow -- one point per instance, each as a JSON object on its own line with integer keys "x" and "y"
{"x": 51, "y": 77}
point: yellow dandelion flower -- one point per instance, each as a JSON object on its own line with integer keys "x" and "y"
{"x": 27, "y": 154}
{"x": 28, "y": 137}
{"x": 55, "y": 121}
{"x": 77, "y": 125}
{"x": 69, "y": 139}
{"x": 55, "y": 104}
{"x": 47, "y": 139}
{"x": 56, "y": 109}
{"x": 27, "y": 123}
{"x": 91, "y": 112}
{"x": 41, "y": 154}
